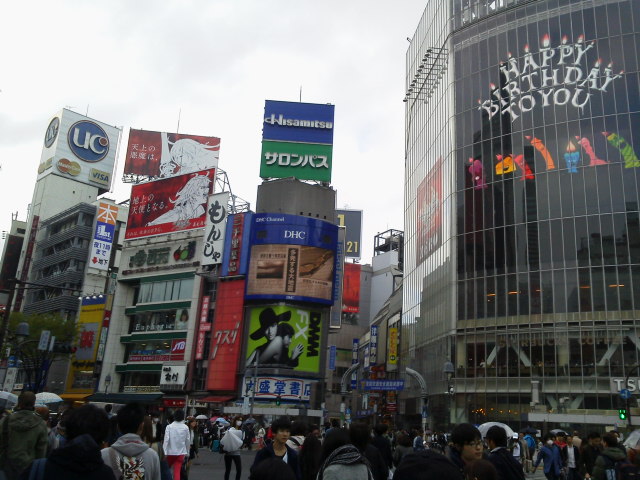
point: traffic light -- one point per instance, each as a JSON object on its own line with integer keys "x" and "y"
{"x": 278, "y": 400}
{"x": 622, "y": 413}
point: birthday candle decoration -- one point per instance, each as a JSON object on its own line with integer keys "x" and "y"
{"x": 477, "y": 174}
{"x": 504, "y": 165}
{"x": 572, "y": 157}
{"x": 628, "y": 154}
{"x": 586, "y": 145}
{"x": 540, "y": 146}
{"x": 520, "y": 161}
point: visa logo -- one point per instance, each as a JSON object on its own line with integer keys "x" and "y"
{"x": 98, "y": 176}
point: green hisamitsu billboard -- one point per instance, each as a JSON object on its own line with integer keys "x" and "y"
{"x": 305, "y": 161}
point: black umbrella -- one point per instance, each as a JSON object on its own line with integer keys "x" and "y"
{"x": 529, "y": 430}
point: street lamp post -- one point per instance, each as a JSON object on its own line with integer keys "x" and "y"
{"x": 625, "y": 385}
{"x": 449, "y": 370}
{"x": 107, "y": 382}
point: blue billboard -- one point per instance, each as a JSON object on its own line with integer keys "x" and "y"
{"x": 236, "y": 245}
{"x": 298, "y": 122}
{"x": 292, "y": 258}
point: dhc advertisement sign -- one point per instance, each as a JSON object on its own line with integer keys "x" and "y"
{"x": 292, "y": 258}
{"x": 298, "y": 122}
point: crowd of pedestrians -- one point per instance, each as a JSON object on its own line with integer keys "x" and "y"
{"x": 89, "y": 442}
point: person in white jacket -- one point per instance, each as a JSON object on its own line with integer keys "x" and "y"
{"x": 176, "y": 443}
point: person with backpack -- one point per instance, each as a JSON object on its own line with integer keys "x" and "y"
{"x": 86, "y": 428}
{"x": 130, "y": 457}
{"x": 612, "y": 462}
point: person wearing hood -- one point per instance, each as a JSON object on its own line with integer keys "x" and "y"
{"x": 609, "y": 456}
{"x": 23, "y": 437}
{"x": 508, "y": 468}
{"x": 130, "y": 454}
{"x": 87, "y": 428}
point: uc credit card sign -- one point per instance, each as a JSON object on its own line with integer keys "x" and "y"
{"x": 298, "y": 122}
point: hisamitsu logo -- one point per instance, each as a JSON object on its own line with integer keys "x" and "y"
{"x": 88, "y": 141}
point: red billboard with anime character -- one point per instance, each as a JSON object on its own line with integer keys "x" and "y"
{"x": 161, "y": 154}
{"x": 170, "y": 205}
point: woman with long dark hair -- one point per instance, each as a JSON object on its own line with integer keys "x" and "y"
{"x": 310, "y": 455}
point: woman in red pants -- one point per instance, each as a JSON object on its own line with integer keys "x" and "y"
{"x": 176, "y": 443}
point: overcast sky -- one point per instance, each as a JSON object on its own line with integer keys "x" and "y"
{"x": 138, "y": 63}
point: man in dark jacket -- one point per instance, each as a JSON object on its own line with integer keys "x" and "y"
{"x": 382, "y": 443}
{"x": 86, "y": 428}
{"x": 590, "y": 451}
{"x": 281, "y": 428}
{"x": 508, "y": 467}
{"x": 571, "y": 459}
{"x": 23, "y": 437}
{"x": 361, "y": 439}
{"x": 611, "y": 453}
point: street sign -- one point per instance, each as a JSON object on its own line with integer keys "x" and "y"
{"x": 10, "y": 379}
{"x": 332, "y": 357}
{"x": 625, "y": 394}
{"x": 45, "y": 335}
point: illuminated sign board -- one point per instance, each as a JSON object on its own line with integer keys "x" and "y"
{"x": 80, "y": 149}
{"x": 283, "y": 336}
{"x": 297, "y": 141}
{"x": 292, "y": 258}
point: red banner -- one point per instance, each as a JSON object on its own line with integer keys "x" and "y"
{"x": 226, "y": 340}
{"x": 160, "y": 154}
{"x": 351, "y": 288}
{"x": 170, "y": 205}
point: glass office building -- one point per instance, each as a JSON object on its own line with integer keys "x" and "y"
{"x": 522, "y": 223}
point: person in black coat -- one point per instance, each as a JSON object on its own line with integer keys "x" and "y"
{"x": 281, "y": 428}
{"x": 86, "y": 428}
{"x": 571, "y": 459}
{"x": 382, "y": 443}
{"x": 361, "y": 439}
{"x": 508, "y": 467}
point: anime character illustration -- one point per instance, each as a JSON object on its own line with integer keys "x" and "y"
{"x": 572, "y": 157}
{"x": 185, "y": 156}
{"x": 190, "y": 202}
{"x": 628, "y": 154}
{"x": 588, "y": 149}
{"x": 541, "y": 147}
{"x": 477, "y": 174}
{"x": 270, "y": 352}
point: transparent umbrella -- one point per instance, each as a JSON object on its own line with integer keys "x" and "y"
{"x": 486, "y": 426}
{"x": 47, "y": 398}
{"x": 201, "y": 417}
{"x": 633, "y": 439}
{"x": 8, "y": 400}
